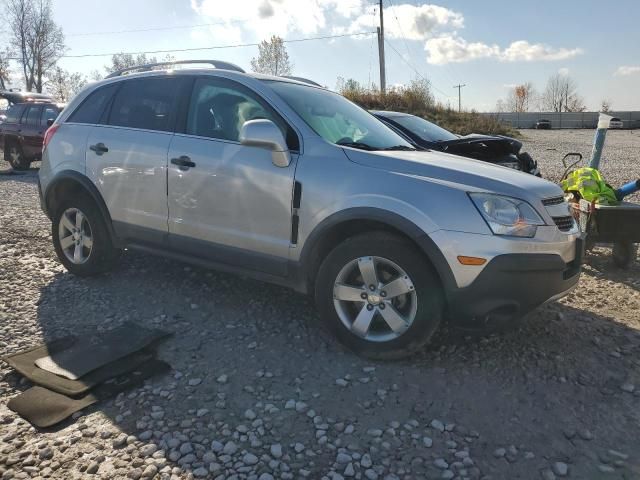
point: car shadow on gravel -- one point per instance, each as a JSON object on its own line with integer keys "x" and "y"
{"x": 252, "y": 366}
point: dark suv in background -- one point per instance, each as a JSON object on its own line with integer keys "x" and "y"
{"x": 22, "y": 131}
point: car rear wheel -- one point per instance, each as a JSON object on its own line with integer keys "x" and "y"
{"x": 81, "y": 239}
{"x": 378, "y": 294}
{"x": 15, "y": 157}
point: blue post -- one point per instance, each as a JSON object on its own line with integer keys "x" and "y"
{"x": 598, "y": 141}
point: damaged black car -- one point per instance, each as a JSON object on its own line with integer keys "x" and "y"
{"x": 496, "y": 149}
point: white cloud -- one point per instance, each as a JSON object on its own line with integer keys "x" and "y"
{"x": 627, "y": 70}
{"x": 411, "y": 22}
{"x": 455, "y": 49}
{"x": 529, "y": 52}
{"x": 259, "y": 19}
{"x": 564, "y": 72}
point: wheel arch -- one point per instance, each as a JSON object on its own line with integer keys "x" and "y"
{"x": 353, "y": 221}
{"x": 71, "y": 182}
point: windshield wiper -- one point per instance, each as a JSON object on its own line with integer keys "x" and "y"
{"x": 400, "y": 147}
{"x": 360, "y": 145}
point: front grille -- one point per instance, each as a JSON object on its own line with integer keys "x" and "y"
{"x": 547, "y": 202}
{"x": 564, "y": 223}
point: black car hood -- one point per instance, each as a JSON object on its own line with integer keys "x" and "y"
{"x": 489, "y": 148}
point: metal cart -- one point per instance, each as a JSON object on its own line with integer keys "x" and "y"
{"x": 618, "y": 225}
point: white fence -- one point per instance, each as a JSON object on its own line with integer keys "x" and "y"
{"x": 563, "y": 119}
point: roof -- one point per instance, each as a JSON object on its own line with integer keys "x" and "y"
{"x": 390, "y": 114}
{"x": 22, "y": 97}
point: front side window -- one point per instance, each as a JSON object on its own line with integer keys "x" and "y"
{"x": 32, "y": 116}
{"x": 219, "y": 109}
{"x": 92, "y": 108}
{"x": 146, "y": 103}
{"x": 338, "y": 120}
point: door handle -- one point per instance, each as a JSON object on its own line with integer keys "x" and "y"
{"x": 183, "y": 162}
{"x": 99, "y": 148}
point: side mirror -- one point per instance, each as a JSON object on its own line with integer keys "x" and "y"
{"x": 50, "y": 122}
{"x": 265, "y": 134}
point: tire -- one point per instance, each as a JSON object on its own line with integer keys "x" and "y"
{"x": 97, "y": 253}
{"x": 392, "y": 258}
{"x": 624, "y": 254}
{"x": 14, "y": 156}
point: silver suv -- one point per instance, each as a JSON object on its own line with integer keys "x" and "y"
{"x": 291, "y": 183}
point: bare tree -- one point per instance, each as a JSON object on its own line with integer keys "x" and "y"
{"x": 38, "y": 40}
{"x": 561, "y": 95}
{"x": 121, "y": 61}
{"x": 63, "y": 85}
{"x": 273, "y": 58}
{"x": 520, "y": 98}
{"x": 605, "y": 106}
{"x": 5, "y": 69}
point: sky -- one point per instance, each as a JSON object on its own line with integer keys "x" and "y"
{"x": 488, "y": 45}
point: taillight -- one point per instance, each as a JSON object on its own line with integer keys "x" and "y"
{"x": 48, "y": 135}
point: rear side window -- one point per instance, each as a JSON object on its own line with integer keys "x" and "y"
{"x": 148, "y": 103}
{"x": 92, "y": 108}
{"x": 48, "y": 113}
{"x": 33, "y": 116}
{"x": 14, "y": 113}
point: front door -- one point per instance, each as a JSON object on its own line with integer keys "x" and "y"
{"x": 228, "y": 202}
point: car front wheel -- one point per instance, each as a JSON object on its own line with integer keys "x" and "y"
{"x": 379, "y": 295}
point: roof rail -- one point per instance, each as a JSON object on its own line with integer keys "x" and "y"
{"x": 303, "y": 80}
{"x": 150, "y": 66}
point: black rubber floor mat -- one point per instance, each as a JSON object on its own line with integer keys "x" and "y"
{"x": 91, "y": 352}
{"x": 44, "y": 408}
{"x": 24, "y": 363}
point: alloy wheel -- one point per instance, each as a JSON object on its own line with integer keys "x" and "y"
{"x": 375, "y": 299}
{"x": 75, "y": 236}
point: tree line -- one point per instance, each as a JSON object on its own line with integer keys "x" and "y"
{"x": 559, "y": 95}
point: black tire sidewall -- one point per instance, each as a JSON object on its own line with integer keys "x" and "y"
{"x": 102, "y": 254}
{"x": 413, "y": 262}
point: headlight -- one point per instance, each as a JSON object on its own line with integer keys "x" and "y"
{"x": 514, "y": 165}
{"x": 507, "y": 215}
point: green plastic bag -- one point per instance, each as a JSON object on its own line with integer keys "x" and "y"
{"x": 590, "y": 185}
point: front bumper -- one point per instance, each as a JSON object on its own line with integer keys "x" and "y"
{"x": 512, "y": 285}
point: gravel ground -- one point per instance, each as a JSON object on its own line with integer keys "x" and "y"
{"x": 259, "y": 391}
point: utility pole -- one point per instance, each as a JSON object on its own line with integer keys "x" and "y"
{"x": 383, "y": 76}
{"x": 459, "y": 87}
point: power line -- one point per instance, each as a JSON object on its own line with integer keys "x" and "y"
{"x": 414, "y": 68}
{"x": 214, "y": 47}
{"x": 154, "y": 29}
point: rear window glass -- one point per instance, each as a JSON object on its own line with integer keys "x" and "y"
{"x": 33, "y": 116}
{"x": 14, "y": 113}
{"x": 92, "y": 108}
{"x": 145, "y": 103}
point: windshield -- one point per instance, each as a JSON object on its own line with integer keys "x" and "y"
{"x": 338, "y": 120}
{"x": 424, "y": 129}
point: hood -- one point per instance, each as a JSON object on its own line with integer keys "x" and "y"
{"x": 459, "y": 172}
{"x": 483, "y": 147}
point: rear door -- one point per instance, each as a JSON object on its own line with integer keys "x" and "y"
{"x": 9, "y": 128}
{"x": 32, "y": 131}
{"x": 127, "y": 156}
